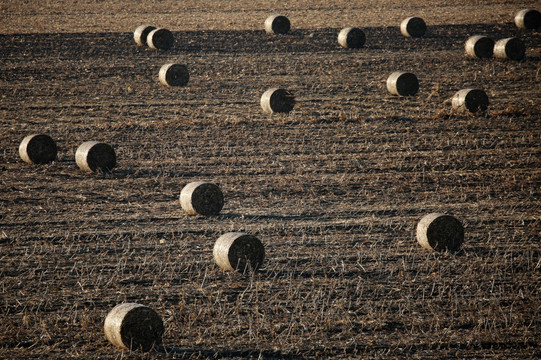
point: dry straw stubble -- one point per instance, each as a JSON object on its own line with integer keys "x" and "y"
{"x": 238, "y": 251}
{"x": 203, "y": 198}
{"x": 38, "y": 149}
{"x": 133, "y": 326}
{"x": 92, "y": 156}
{"x": 440, "y": 232}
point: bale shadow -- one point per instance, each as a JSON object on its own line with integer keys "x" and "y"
{"x": 108, "y": 45}
{"x": 439, "y": 37}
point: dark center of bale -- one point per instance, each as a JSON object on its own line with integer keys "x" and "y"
{"x": 407, "y": 84}
{"x": 445, "y": 233}
{"x": 281, "y": 25}
{"x": 355, "y": 38}
{"x": 207, "y": 199}
{"x": 41, "y": 149}
{"x": 141, "y": 329}
{"x": 246, "y": 253}
{"x": 476, "y": 100}
{"x": 145, "y": 32}
{"x": 416, "y": 27}
{"x": 177, "y": 75}
{"x": 532, "y": 19}
{"x": 282, "y": 101}
{"x": 101, "y": 157}
{"x": 484, "y": 47}
{"x": 163, "y": 39}
{"x": 515, "y": 49}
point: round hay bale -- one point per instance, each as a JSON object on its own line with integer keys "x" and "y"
{"x": 510, "y": 48}
{"x": 528, "y": 19}
{"x": 237, "y": 251}
{"x": 479, "y": 46}
{"x": 440, "y": 232}
{"x": 413, "y": 27}
{"x": 38, "y": 149}
{"x": 352, "y": 38}
{"x": 160, "y": 39}
{"x": 402, "y": 83}
{"x": 92, "y": 156}
{"x": 201, "y": 198}
{"x": 470, "y": 100}
{"x": 140, "y": 34}
{"x": 277, "y": 24}
{"x": 174, "y": 75}
{"x": 134, "y": 327}
{"x": 277, "y": 100}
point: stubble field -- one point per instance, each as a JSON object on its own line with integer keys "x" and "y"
{"x": 334, "y": 189}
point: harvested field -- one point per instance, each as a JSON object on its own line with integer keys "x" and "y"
{"x": 334, "y": 189}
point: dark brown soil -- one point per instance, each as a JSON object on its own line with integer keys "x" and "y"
{"x": 333, "y": 189}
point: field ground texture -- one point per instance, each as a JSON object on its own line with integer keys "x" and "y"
{"x": 334, "y": 189}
